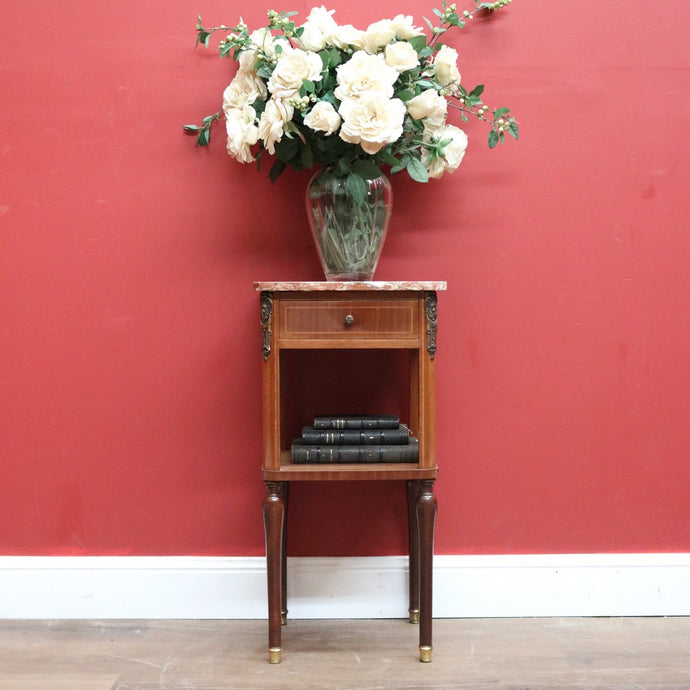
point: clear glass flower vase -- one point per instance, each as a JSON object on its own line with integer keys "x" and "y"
{"x": 348, "y": 233}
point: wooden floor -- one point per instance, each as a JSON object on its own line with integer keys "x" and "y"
{"x": 515, "y": 654}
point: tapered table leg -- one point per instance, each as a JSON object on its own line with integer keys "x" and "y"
{"x": 274, "y": 517}
{"x": 285, "y": 488}
{"x": 412, "y": 488}
{"x": 426, "y": 516}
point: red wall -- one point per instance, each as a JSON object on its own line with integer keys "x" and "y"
{"x": 130, "y": 356}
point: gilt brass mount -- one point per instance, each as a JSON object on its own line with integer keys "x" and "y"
{"x": 431, "y": 311}
{"x": 266, "y": 314}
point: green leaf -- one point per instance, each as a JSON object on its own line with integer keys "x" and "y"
{"x": 477, "y": 91}
{"x": 287, "y": 148}
{"x": 500, "y": 112}
{"x": 418, "y": 43}
{"x": 405, "y": 95}
{"x": 264, "y": 72}
{"x": 385, "y": 156}
{"x": 306, "y": 156}
{"x": 513, "y": 129}
{"x": 191, "y": 129}
{"x": 259, "y": 106}
{"x": 366, "y": 168}
{"x": 325, "y": 58}
{"x": 356, "y": 187}
{"x": 343, "y": 166}
{"x": 493, "y": 138}
{"x": 418, "y": 126}
{"x": 335, "y": 57}
{"x": 416, "y": 170}
{"x": 276, "y": 170}
{"x": 327, "y": 94}
{"x": 307, "y": 87}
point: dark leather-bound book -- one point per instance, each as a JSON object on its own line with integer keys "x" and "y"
{"x": 325, "y": 454}
{"x": 355, "y": 437}
{"x": 384, "y": 421}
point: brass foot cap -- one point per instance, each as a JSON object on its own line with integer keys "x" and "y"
{"x": 283, "y": 618}
{"x": 425, "y": 654}
{"x": 274, "y": 655}
{"x": 414, "y": 616}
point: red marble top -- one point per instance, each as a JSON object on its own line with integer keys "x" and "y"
{"x": 344, "y": 285}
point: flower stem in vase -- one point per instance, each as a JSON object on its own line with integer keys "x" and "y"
{"x": 348, "y": 232}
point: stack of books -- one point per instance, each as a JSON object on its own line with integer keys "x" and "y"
{"x": 355, "y": 439}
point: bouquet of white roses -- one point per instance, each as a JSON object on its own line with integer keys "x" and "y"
{"x": 348, "y": 99}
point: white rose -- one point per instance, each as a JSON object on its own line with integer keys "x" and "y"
{"x": 272, "y": 123}
{"x": 404, "y": 28}
{"x": 377, "y": 35}
{"x": 244, "y": 89}
{"x": 323, "y": 117}
{"x": 346, "y": 36}
{"x": 446, "y": 66}
{"x": 247, "y": 60}
{"x": 319, "y": 25}
{"x": 429, "y": 106}
{"x": 362, "y": 74}
{"x": 312, "y": 38}
{"x": 293, "y": 67}
{"x": 452, "y": 154}
{"x": 242, "y": 133}
{"x": 372, "y": 121}
{"x": 401, "y": 55}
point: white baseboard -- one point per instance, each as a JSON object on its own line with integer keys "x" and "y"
{"x": 372, "y": 587}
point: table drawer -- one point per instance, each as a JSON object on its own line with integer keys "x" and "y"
{"x": 345, "y": 319}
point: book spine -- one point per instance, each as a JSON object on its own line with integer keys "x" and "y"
{"x": 398, "y": 436}
{"x": 357, "y": 422}
{"x": 306, "y": 454}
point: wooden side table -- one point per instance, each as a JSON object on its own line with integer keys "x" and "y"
{"x": 373, "y": 315}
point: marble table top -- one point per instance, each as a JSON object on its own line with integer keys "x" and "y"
{"x": 344, "y": 285}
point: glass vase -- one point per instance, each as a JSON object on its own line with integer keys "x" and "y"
{"x": 348, "y": 233}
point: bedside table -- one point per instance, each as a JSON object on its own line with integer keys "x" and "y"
{"x": 310, "y": 316}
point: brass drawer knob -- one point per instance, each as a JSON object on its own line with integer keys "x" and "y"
{"x": 349, "y": 320}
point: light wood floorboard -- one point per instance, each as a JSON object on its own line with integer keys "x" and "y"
{"x": 504, "y": 654}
